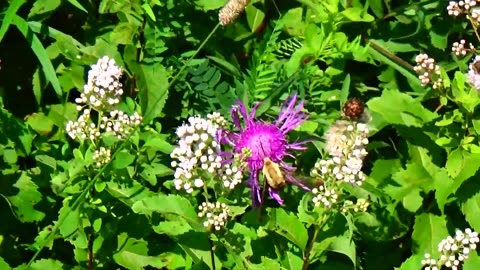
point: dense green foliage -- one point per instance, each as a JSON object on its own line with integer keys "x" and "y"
{"x": 63, "y": 209}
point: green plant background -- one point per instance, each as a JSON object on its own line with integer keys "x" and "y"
{"x": 57, "y": 212}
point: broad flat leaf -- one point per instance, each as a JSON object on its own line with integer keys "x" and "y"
{"x": 266, "y": 263}
{"x": 123, "y": 159}
{"x": 472, "y": 262}
{"x": 133, "y": 254}
{"x": 128, "y": 194}
{"x": 11, "y": 12}
{"x": 383, "y": 170}
{"x": 357, "y": 14}
{"x": 41, "y": 7}
{"x": 40, "y": 123}
{"x": 471, "y": 208}
{"x": 291, "y": 261}
{"x": 207, "y": 5}
{"x": 289, "y": 227}
{"x": 39, "y": 50}
{"x": 412, "y": 263}
{"x": 255, "y": 17}
{"x": 26, "y": 198}
{"x": 42, "y": 264}
{"x": 172, "y": 228}
{"x": 153, "y": 92}
{"x": 159, "y": 144}
{"x": 4, "y": 265}
{"x": 197, "y": 246}
{"x": 399, "y": 108}
{"x": 68, "y": 219}
{"x": 167, "y": 205}
{"x": 428, "y": 231}
{"x": 442, "y": 186}
{"x": 76, "y": 4}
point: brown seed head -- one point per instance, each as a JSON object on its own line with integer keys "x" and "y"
{"x": 353, "y": 109}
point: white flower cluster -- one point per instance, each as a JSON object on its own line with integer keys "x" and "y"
{"x": 198, "y": 148}
{"x": 360, "y": 206}
{"x": 83, "y": 128}
{"x": 458, "y": 48}
{"x": 455, "y": 8}
{"x": 101, "y": 93}
{"x": 231, "y": 175}
{"x": 324, "y": 196}
{"x": 216, "y": 214}
{"x": 120, "y": 124}
{"x": 102, "y": 156}
{"x": 454, "y": 250}
{"x": 473, "y": 75}
{"x": 428, "y": 72}
{"x": 103, "y": 88}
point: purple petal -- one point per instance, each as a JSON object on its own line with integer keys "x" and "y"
{"x": 236, "y": 117}
{"x": 273, "y": 193}
{"x": 256, "y": 195}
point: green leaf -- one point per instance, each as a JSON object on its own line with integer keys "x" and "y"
{"x": 152, "y": 84}
{"x": 197, "y": 246}
{"x": 167, "y": 205}
{"x": 4, "y": 265}
{"x": 472, "y": 262}
{"x": 40, "y": 123}
{"x": 428, "y": 231}
{"x": 69, "y": 218}
{"x": 128, "y": 194}
{"x": 149, "y": 11}
{"x": 357, "y": 14}
{"x": 291, "y": 261}
{"x": 9, "y": 16}
{"x": 41, "y": 7}
{"x": 399, "y": 108}
{"x": 25, "y": 200}
{"x": 288, "y": 226}
{"x": 159, "y": 144}
{"x": 255, "y": 17}
{"x": 76, "y": 4}
{"x": 345, "y": 90}
{"x": 39, "y": 50}
{"x": 42, "y": 264}
{"x": 123, "y": 159}
{"x": 133, "y": 254}
{"x": 470, "y": 208}
{"x": 207, "y": 5}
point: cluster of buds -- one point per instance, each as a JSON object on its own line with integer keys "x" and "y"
{"x": 346, "y": 143}
{"x": 215, "y": 214}
{"x": 458, "y": 48}
{"x": 360, "y": 206}
{"x": 230, "y": 12}
{"x": 102, "y": 93}
{"x": 120, "y": 124}
{"x": 102, "y": 156}
{"x": 453, "y": 250}
{"x": 455, "y": 8}
{"x": 325, "y": 196}
{"x": 103, "y": 89}
{"x": 197, "y": 151}
{"x": 428, "y": 72}
{"x": 473, "y": 75}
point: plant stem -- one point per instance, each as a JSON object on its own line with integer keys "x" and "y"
{"x": 318, "y": 227}
{"x": 212, "y": 252}
{"x": 90, "y": 252}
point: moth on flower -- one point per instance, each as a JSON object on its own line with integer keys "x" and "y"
{"x": 268, "y": 146}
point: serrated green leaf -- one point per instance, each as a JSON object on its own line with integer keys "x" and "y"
{"x": 41, "y": 7}
{"x": 25, "y": 200}
{"x": 470, "y": 208}
{"x": 288, "y": 226}
{"x": 399, "y": 108}
{"x": 167, "y": 205}
{"x": 428, "y": 231}
{"x": 123, "y": 159}
{"x": 9, "y": 16}
{"x": 128, "y": 194}
{"x": 152, "y": 84}
{"x": 42, "y": 264}
{"x": 291, "y": 261}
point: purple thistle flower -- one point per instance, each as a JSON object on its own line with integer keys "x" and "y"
{"x": 266, "y": 140}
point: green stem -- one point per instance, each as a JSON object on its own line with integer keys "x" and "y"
{"x": 82, "y": 195}
{"x": 318, "y": 227}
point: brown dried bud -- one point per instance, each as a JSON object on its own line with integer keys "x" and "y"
{"x": 353, "y": 109}
{"x": 230, "y": 12}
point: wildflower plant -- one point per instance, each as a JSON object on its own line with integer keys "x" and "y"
{"x": 239, "y": 134}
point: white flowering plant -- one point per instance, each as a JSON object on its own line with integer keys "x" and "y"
{"x": 239, "y": 134}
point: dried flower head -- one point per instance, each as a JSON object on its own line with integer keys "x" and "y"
{"x": 428, "y": 72}
{"x": 230, "y": 12}
{"x": 265, "y": 140}
{"x": 83, "y": 128}
{"x": 353, "y": 109}
{"x": 215, "y": 214}
{"x": 120, "y": 124}
{"x": 102, "y": 156}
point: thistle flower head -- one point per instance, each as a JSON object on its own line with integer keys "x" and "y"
{"x": 265, "y": 140}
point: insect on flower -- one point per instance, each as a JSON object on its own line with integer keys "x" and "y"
{"x": 273, "y": 174}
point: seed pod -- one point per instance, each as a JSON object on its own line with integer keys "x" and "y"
{"x": 353, "y": 109}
